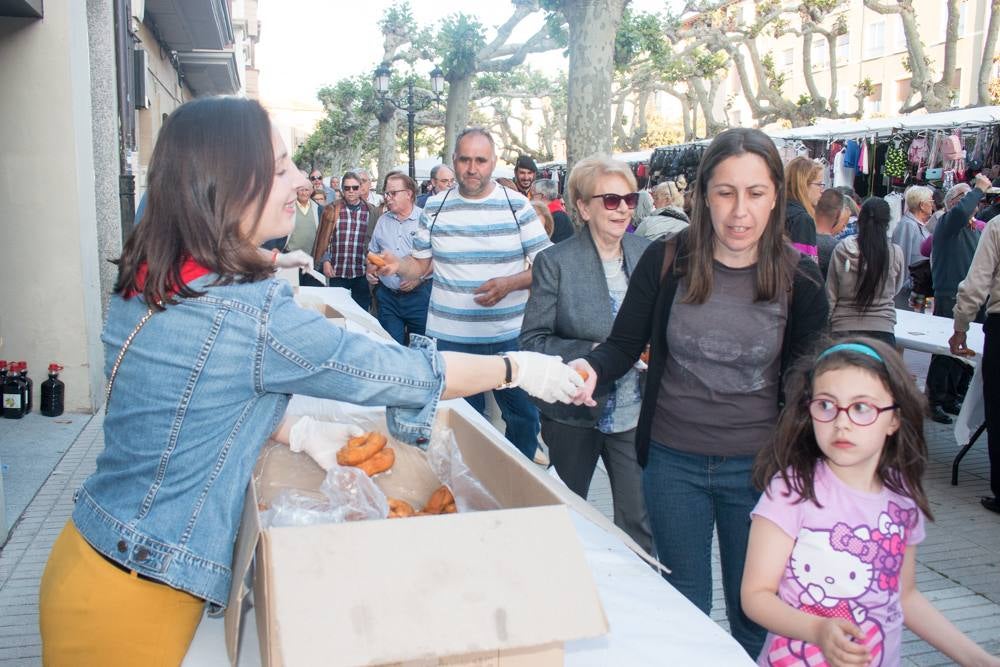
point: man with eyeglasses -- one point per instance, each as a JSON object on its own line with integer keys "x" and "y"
{"x": 402, "y": 304}
{"x": 482, "y": 238}
{"x": 367, "y": 194}
{"x": 442, "y": 178}
{"x": 346, "y": 229}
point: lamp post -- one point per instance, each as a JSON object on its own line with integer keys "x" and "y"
{"x": 382, "y": 74}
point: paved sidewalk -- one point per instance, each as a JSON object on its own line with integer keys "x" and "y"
{"x": 957, "y": 568}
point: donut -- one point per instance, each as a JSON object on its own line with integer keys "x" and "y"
{"x": 399, "y": 508}
{"x": 380, "y": 462}
{"x": 361, "y": 448}
{"x": 376, "y": 260}
{"x": 439, "y": 500}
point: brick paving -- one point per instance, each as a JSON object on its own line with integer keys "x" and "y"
{"x": 957, "y": 566}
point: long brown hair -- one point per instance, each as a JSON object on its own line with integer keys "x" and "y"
{"x": 793, "y": 451}
{"x": 798, "y": 173}
{"x": 212, "y": 165}
{"x": 775, "y": 259}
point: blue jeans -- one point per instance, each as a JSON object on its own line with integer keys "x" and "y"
{"x": 402, "y": 312}
{"x": 359, "y": 288}
{"x": 686, "y": 496}
{"x": 519, "y": 413}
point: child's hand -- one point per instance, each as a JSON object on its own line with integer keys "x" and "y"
{"x": 835, "y": 641}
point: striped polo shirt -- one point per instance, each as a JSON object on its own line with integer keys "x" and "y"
{"x": 472, "y": 241}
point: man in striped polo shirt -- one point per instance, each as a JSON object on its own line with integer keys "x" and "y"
{"x": 482, "y": 238}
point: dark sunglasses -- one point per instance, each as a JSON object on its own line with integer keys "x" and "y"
{"x": 350, "y": 188}
{"x": 315, "y": 178}
{"x": 612, "y": 202}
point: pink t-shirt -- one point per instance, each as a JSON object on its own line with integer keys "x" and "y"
{"x": 845, "y": 563}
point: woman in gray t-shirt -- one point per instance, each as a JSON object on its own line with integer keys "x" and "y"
{"x": 725, "y": 309}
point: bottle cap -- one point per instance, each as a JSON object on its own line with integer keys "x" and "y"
{"x": 54, "y": 368}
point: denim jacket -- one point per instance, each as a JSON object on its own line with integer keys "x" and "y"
{"x": 198, "y": 392}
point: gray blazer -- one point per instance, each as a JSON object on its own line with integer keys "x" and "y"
{"x": 569, "y": 312}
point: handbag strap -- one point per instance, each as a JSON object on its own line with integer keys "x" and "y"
{"x": 121, "y": 354}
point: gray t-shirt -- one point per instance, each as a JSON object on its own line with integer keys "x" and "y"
{"x": 719, "y": 391}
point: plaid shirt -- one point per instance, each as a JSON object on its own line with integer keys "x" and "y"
{"x": 347, "y": 249}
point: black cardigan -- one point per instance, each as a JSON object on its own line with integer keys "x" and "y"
{"x": 647, "y": 309}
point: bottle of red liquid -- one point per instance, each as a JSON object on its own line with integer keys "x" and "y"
{"x": 29, "y": 386}
{"x": 13, "y": 394}
{"x": 53, "y": 391}
{"x": 3, "y": 372}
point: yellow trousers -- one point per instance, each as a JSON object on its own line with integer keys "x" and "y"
{"x": 92, "y": 613}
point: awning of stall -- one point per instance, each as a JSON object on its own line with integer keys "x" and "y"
{"x": 849, "y": 129}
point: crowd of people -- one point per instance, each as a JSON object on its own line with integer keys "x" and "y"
{"x": 728, "y": 353}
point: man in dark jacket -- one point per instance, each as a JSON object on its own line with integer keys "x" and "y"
{"x": 955, "y": 241}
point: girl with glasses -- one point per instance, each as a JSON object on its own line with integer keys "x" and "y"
{"x": 830, "y": 568}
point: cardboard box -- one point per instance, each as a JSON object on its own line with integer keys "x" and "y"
{"x": 505, "y": 587}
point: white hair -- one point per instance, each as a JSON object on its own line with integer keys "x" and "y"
{"x": 917, "y": 195}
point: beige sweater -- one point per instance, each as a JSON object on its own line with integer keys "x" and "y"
{"x": 842, "y": 282}
{"x": 982, "y": 280}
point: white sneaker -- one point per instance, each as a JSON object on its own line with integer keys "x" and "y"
{"x": 541, "y": 458}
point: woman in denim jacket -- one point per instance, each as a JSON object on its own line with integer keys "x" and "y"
{"x": 203, "y": 349}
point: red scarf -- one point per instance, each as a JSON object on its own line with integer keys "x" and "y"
{"x": 190, "y": 270}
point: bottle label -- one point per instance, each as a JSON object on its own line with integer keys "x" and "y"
{"x": 12, "y": 401}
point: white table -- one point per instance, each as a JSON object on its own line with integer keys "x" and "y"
{"x": 651, "y": 623}
{"x": 930, "y": 333}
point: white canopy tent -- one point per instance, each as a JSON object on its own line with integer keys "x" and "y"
{"x": 849, "y": 129}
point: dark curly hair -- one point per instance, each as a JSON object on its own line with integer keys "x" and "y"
{"x": 793, "y": 451}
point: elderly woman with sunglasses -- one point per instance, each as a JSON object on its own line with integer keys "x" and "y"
{"x": 577, "y": 288}
{"x": 725, "y": 306}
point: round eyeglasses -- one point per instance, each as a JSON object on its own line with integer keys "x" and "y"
{"x": 861, "y": 413}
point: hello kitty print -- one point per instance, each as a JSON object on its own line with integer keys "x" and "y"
{"x": 845, "y": 563}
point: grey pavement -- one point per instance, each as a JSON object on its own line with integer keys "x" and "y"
{"x": 47, "y": 459}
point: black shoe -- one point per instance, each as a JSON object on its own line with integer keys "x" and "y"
{"x": 992, "y": 504}
{"x": 952, "y": 408}
{"x": 940, "y": 416}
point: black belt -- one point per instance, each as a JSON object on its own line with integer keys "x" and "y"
{"x": 127, "y": 570}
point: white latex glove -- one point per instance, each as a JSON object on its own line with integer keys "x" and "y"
{"x": 545, "y": 377}
{"x": 320, "y": 439}
{"x": 296, "y": 259}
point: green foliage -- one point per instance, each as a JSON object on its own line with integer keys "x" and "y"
{"x": 641, "y": 33}
{"x": 775, "y": 80}
{"x": 865, "y": 88}
{"x": 458, "y": 42}
{"x": 398, "y": 20}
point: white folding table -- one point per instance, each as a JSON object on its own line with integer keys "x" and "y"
{"x": 929, "y": 333}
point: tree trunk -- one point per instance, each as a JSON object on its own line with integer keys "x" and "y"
{"x": 387, "y": 153}
{"x": 592, "y": 28}
{"x": 989, "y": 49}
{"x": 456, "y": 114}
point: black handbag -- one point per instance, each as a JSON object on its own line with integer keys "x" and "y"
{"x": 921, "y": 279}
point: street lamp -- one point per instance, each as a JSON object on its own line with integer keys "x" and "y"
{"x": 381, "y": 80}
